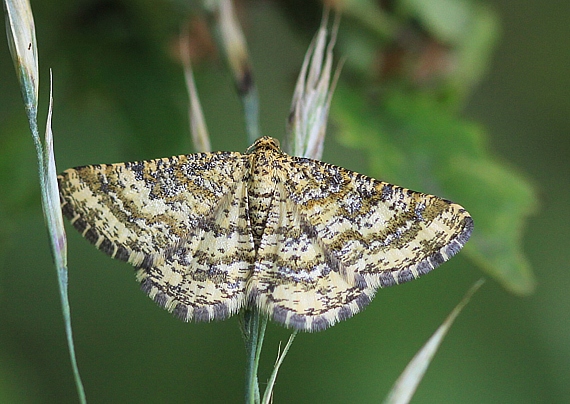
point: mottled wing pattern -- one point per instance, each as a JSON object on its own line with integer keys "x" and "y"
{"x": 381, "y": 234}
{"x": 297, "y": 281}
{"x": 336, "y": 236}
{"x": 182, "y": 221}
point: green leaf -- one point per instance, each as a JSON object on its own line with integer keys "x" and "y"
{"x": 412, "y": 141}
{"x": 447, "y": 19}
{"x": 475, "y": 49}
{"x": 442, "y": 46}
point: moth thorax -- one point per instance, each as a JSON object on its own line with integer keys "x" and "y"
{"x": 261, "y": 194}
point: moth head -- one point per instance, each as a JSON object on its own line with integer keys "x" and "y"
{"x": 264, "y": 143}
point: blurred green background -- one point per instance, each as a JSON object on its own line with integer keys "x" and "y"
{"x": 120, "y": 95}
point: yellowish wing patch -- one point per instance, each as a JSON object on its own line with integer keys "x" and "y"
{"x": 380, "y": 233}
{"x": 296, "y": 279}
{"x": 182, "y": 221}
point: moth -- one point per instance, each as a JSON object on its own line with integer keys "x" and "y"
{"x": 306, "y": 242}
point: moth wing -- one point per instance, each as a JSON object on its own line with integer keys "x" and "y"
{"x": 379, "y": 233}
{"x": 182, "y": 221}
{"x": 296, "y": 280}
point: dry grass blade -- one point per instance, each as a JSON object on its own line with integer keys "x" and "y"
{"x": 198, "y": 128}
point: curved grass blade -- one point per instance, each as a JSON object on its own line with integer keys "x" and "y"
{"x": 21, "y": 34}
{"x": 406, "y": 385}
{"x": 280, "y": 357}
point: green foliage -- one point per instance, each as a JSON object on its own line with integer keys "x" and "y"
{"x": 443, "y": 46}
